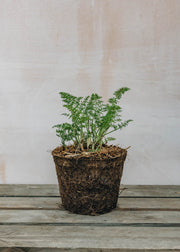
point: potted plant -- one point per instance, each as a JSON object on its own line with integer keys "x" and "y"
{"x": 88, "y": 169}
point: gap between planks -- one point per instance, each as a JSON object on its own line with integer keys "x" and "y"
{"x": 83, "y": 250}
{"x": 66, "y": 224}
{"x": 20, "y": 249}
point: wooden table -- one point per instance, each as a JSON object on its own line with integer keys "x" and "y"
{"x": 147, "y": 219}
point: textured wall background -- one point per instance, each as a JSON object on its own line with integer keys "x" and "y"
{"x": 84, "y": 46}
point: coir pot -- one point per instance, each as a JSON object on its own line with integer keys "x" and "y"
{"x": 89, "y": 184}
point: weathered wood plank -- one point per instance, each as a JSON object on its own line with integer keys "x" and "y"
{"x": 125, "y": 191}
{"x": 45, "y": 230}
{"x": 13, "y": 250}
{"x": 90, "y": 237}
{"x": 60, "y": 217}
{"x": 149, "y": 204}
{"x": 29, "y": 190}
{"x": 54, "y": 203}
{"x": 155, "y": 191}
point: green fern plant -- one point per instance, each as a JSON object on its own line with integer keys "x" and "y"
{"x": 91, "y": 120}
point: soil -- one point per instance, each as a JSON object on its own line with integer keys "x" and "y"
{"x": 106, "y": 152}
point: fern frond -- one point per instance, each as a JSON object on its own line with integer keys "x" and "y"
{"x": 91, "y": 120}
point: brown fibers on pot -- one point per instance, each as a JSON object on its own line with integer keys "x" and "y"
{"x": 89, "y": 182}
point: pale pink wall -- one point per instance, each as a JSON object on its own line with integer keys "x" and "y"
{"x": 84, "y": 46}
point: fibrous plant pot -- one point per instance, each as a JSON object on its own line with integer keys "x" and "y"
{"x": 89, "y": 183}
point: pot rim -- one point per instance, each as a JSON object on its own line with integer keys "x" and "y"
{"x": 88, "y": 155}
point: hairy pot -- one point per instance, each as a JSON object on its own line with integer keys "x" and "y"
{"x": 89, "y": 184}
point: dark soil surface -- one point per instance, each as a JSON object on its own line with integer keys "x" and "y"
{"x": 106, "y": 152}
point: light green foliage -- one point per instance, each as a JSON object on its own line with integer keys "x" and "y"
{"x": 91, "y": 120}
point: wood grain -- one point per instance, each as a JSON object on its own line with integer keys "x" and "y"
{"x": 20, "y": 217}
{"x": 90, "y": 237}
{"x": 33, "y": 220}
{"x": 54, "y": 203}
{"x": 37, "y": 190}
